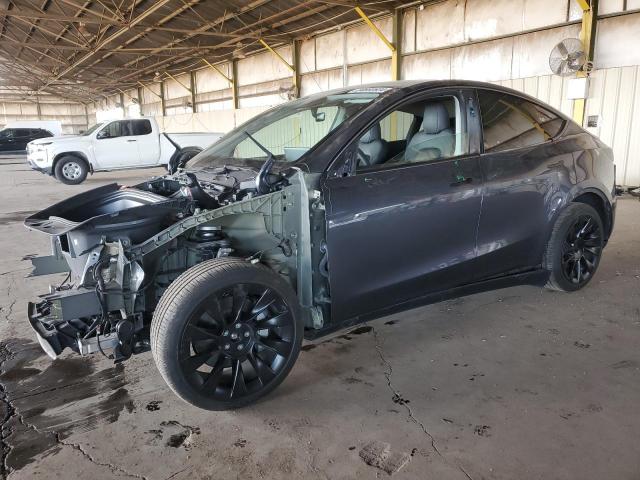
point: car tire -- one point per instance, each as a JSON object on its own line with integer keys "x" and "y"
{"x": 71, "y": 170}
{"x": 575, "y": 248}
{"x": 218, "y": 357}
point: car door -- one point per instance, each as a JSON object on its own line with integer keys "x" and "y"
{"x": 7, "y": 140}
{"x": 523, "y": 169}
{"x": 115, "y": 146}
{"x": 401, "y": 227}
{"x": 148, "y": 142}
{"x": 21, "y": 137}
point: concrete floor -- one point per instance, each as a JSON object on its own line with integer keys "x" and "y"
{"x": 519, "y": 383}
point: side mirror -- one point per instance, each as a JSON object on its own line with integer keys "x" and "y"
{"x": 102, "y": 134}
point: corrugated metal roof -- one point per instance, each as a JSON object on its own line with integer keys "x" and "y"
{"x": 81, "y": 49}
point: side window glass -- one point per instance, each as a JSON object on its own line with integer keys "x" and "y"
{"x": 141, "y": 127}
{"x": 395, "y": 126}
{"x": 422, "y": 131}
{"x": 113, "y": 130}
{"x": 510, "y": 122}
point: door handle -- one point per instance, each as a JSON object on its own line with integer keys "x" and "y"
{"x": 462, "y": 181}
{"x": 368, "y": 180}
{"x": 131, "y": 140}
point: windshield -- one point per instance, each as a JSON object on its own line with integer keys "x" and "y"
{"x": 287, "y": 131}
{"x": 92, "y": 129}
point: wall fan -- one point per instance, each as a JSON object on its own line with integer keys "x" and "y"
{"x": 568, "y": 57}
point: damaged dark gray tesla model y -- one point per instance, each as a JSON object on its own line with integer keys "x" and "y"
{"x": 318, "y": 215}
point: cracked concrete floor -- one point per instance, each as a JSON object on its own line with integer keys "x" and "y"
{"x": 518, "y": 383}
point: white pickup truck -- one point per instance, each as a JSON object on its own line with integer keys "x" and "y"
{"x": 115, "y": 145}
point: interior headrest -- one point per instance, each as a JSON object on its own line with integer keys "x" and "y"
{"x": 435, "y": 119}
{"x": 372, "y": 135}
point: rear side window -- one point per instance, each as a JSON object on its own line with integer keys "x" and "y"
{"x": 510, "y": 122}
{"x": 140, "y": 127}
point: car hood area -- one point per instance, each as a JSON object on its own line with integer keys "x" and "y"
{"x": 135, "y": 213}
{"x": 58, "y": 140}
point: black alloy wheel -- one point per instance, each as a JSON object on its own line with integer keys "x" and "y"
{"x": 581, "y": 250}
{"x": 575, "y": 248}
{"x": 236, "y": 341}
{"x": 226, "y": 332}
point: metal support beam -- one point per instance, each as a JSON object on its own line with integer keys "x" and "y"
{"x": 375, "y": 29}
{"x": 192, "y": 76}
{"x": 163, "y": 107}
{"x": 588, "y": 37}
{"x": 396, "y": 53}
{"x": 295, "y": 56}
{"x": 234, "y": 84}
{"x": 140, "y": 100}
{"x": 295, "y": 68}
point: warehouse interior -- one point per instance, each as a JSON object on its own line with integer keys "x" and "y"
{"x": 515, "y": 383}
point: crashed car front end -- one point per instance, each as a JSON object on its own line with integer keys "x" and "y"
{"x": 121, "y": 247}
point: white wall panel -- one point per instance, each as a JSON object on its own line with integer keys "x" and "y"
{"x": 148, "y": 96}
{"x": 440, "y": 25}
{"x": 208, "y": 80}
{"x": 174, "y": 89}
{"x": 615, "y": 98}
{"x": 152, "y": 109}
{"x": 409, "y": 31}
{"x": 616, "y": 41}
{"x": 540, "y": 13}
{"x": 427, "y": 66}
{"x": 264, "y": 67}
{"x": 329, "y": 50}
{"x": 492, "y": 18}
{"x": 363, "y": 45}
{"x": 308, "y": 56}
{"x": 320, "y": 82}
{"x": 486, "y": 61}
{"x": 610, "y": 6}
{"x": 369, "y": 73}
